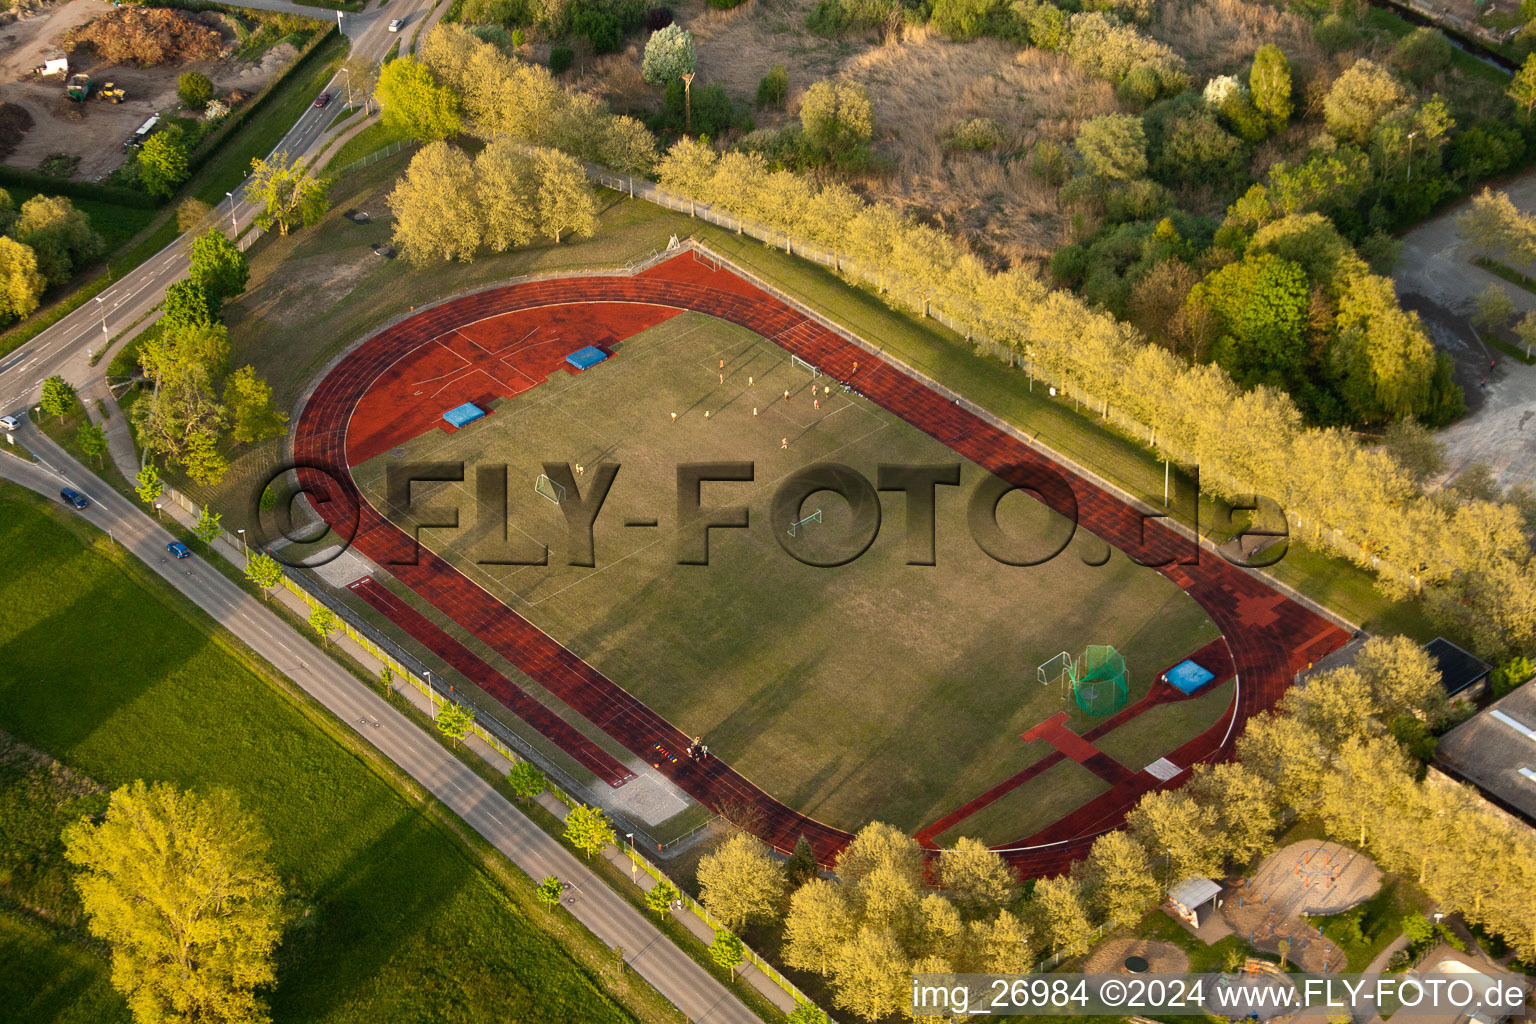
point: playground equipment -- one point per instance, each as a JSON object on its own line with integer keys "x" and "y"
{"x": 1098, "y": 681}
{"x": 79, "y": 88}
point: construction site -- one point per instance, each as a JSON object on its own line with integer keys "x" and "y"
{"x": 78, "y": 80}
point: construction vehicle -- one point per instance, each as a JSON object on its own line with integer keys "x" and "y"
{"x": 54, "y": 63}
{"x": 79, "y": 88}
{"x": 112, "y": 93}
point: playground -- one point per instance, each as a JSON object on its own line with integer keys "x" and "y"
{"x": 828, "y": 694}
{"x": 1312, "y": 878}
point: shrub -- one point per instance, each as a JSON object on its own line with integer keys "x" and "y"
{"x": 835, "y": 17}
{"x": 773, "y": 89}
{"x": 1510, "y": 675}
{"x": 961, "y": 19}
{"x": 1113, "y": 145}
{"x": 1422, "y": 54}
{"x": 560, "y": 59}
{"x": 601, "y": 28}
{"x": 725, "y": 5}
{"x": 838, "y": 121}
{"x": 1050, "y": 162}
{"x": 194, "y": 89}
{"x": 518, "y": 39}
{"x": 713, "y": 112}
{"x": 658, "y": 18}
{"x": 1336, "y": 34}
{"x": 669, "y": 53}
{"x": 975, "y": 134}
{"x": 493, "y": 12}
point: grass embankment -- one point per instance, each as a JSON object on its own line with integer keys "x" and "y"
{"x": 120, "y": 678}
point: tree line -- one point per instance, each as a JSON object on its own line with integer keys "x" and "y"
{"x": 41, "y": 247}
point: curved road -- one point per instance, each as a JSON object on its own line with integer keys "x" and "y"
{"x": 606, "y": 914}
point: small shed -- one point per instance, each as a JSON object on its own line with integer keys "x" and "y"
{"x": 1193, "y": 900}
{"x": 585, "y": 358}
{"x": 463, "y": 415}
{"x": 1462, "y": 674}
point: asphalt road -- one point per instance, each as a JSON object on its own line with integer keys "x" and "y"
{"x": 66, "y": 347}
{"x": 652, "y": 955}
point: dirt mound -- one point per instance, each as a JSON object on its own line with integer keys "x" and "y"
{"x": 146, "y": 36}
{"x": 14, "y": 123}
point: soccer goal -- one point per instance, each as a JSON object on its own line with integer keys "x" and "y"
{"x": 1062, "y": 670}
{"x": 801, "y": 364}
{"x": 814, "y": 517}
{"x": 705, "y": 258}
{"x": 549, "y": 489}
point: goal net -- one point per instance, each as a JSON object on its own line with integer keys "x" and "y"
{"x": 801, "y": 364}
{"x": 1060, "y": 670}
{"x": 814, "y": 517}
{"x": 549, "y": 489}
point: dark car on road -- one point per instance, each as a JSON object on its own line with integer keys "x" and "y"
{"x": 74, "y": 499}
{"x": 179, "y": 549}
{"x": 323, "y": 99}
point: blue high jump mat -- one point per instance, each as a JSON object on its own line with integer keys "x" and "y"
{"x": 464, "y": 415}
{"x": 585, "y": 358}
{"x": 1188, "y": 677}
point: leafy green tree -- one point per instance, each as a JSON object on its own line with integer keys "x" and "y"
{"x": 264, "y": 571}
{"x": 92, "y": 441}
{"x": 1061, "y": 916}
{"x": 525, "y": 780}
{"x": 179, "y": 419}
{"x": 1522, "y": 88}
{"x": 1422, "y": 54}
{"x": 59, "y": 235}
{"x": 286, "y": 192}
{"x": 362, "y": 77}
{"x": 58, "y": 398}
{"x": 248, "y": 406}
{"x": 454, "y": 720}
{"x": 1179, "y": 830}
{"x": 194, "y": 89}
{"x": 21, "y": 285}
{"x": 773, "y": 88}
{"x": 1269, "y": 83}
{"x": 727, "y": 950}
{"x": 801, "y": 866}
{"x": 565, "y": 202}
{"x": 1118, "y": 878}
{"x": 148, "y": 483}
{"x": 1493, "y": 309}
{"x": 218, "y": 266}
{"x": 669, "y": 54}
{"x": 163, "y": 164}
{"x": 415, "y": 104}
{"x": 1261, "y": 304}
{"x": 808, "y": 1013}
{"x": 187, "y": 305}
{"x": 435, "y": 205}
{"x": 1113, "y": 146}
{"x": 324, "y": 622}
{"x": 838, "y": 121}
{"x": 1510, "y": 675}
{"x": 504, "y": 193}
{"x": 179, "y": 887}
{"x": 1525, "y": 330}
{"x": 588, "y": 829}
{"x": 978, "y": 880}
{"x": 661, "y": 896}
{"x": 549, "y": 891}
{"x": 740, "y": 882}
{"x": 208, "y": 526}
{"x": 1359, "y": 98}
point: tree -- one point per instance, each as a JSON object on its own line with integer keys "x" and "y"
{"x": 1114, "y": 146}
{"x": 186, "y": 305}
{"x": 454, "y": 720}
{"x": 92, "y": 441}
{"x": 525, "y": 781}
{"x": 880, "y": 845}
{"x": 1269, "y": 83}
{"x": 414, "y": 104}
{"x": 248, "y": 405}
{"x": 1359, "y": 98}
{"x": 21, "y": 285}
{"x": 549, "y": 891}
{"x": 1493, "y": 309}
{"x": 1061, "y": 918}
{"x": 669, "y": 54}
{"x": 324, "y": 622}
{"x": 873, "y": 975}
{"x": 180, "y": 417}
{"x": 1004, "y": 945}
{"x": 163, "y": 164}
{"x": 58, "y": 397}
{"x": 661, "y": 896}
{"x": 286, "y": 192}
{"x": 819, "y": 922}
{"x": 59, "y": 235}
{"x": 179, "y": 886}
{"x": 1492, "y": 227}
{"x": 978, "y": 880}
{"x": 362, "y": 78}
{"x": 192, "y": 213}
{"x": 740, "y": 882}
{"x": 1525, "y": 330}
{"x": 564, "y": 202}
{"x": 1118, "y": 878}
{"x": 1261, "y": 303}
{"x": 1244, "y": 805}
{"x": 727, "y": 951}
{"x": 504, "y": 195}
{"x": 838, "y": 122}
{"x": 807, "y": 1013}
{"x": 588, "y": 829}
{"x": 264, "y": 571}
{"x": 435, "y": 207}
{"x": 194, "y": 89}
{"x": 801, "y": 866}
{"x": 628, "y": 145}
{"x": 208, "y": 526}
{"x": 148, "y": 484}
{"x": 1179, "y": 830}
{"x": 1522, "y": 88}
{"x": 218, "y": 266}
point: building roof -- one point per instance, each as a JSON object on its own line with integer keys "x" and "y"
{"x": 1193, "y": 891}
{"x": 1495, "y": 750}
{"x": 1458, "y": 669}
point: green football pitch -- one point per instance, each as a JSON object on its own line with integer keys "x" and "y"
{"x": 876, "y": 690}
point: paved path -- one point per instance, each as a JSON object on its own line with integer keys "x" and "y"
{"x": 600, "y": 909}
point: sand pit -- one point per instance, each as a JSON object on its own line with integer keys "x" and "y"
{"x": 1161, "y": 957}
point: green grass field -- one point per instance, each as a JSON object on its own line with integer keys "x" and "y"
{"x": 119, "y": 678}
{"x": 876, "y": 690}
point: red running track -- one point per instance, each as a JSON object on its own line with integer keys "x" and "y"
{"x": 1270, "y": 637}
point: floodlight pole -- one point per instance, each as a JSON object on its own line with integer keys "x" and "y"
{"x": 634, "y": 865}
{"x": 244, "y": 550}
{"x": 234, "y": 225}
{"x": 688, "y": 102}
{"x": 1166, "y": 470}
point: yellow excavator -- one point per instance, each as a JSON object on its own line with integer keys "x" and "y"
{"x": 111, "y": 93}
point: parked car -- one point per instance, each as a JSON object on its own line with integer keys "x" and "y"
{"x": 394, "y": 26}
{"x": 323, "y": 99}
{"x": 179, "y": 549}
{"x": 74, "y": 498}
{"x": 10, "y": 422}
